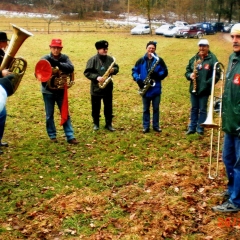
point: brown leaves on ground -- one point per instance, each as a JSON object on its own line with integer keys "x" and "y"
{"x": 168, "y": 206}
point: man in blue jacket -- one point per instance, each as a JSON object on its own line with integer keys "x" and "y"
{"x": 148, "y": 72}
{"x": 231, "y": 127}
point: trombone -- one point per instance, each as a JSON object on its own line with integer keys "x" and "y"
{"x": 209, "y": 123}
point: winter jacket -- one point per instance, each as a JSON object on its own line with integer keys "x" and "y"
{"x": 96, "y": 67}
{"x": 204, "y": 74}
{"x": 63, "y": 63}
{"x": 231, "y": 96}
{"x": 141, "y": 69}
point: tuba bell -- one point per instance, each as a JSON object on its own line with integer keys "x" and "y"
{"x": 17, "y": 66}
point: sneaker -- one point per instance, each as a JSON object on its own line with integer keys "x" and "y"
{"x": 226, "y": 207}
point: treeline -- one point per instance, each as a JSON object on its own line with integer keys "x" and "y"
{"x": 168, "y": 10}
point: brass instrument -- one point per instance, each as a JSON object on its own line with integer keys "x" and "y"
{"x": 107, "y": 78}
{"x": 148, "y": 82}
{"x": 17, "y": 66}
{"x": 195, "y": 71}
{"x": 59, "y": 79}
{"x": 209, "y": 123}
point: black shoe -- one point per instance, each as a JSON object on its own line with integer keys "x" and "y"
{"x": 95, "y": 127}
{"x": 54, "y": 140}
{"x": 200, "y": 133}
{"x": 157, "y": 129}
{"x": 146, "y": 130}
{"x": 110, "y": 128}
{"x": 3, "y": 144}
{"x": 1, "y": 152}
{"x": 190, "y": 132}
{"x": 73, "y": 141}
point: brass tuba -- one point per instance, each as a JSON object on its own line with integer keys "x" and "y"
{"x": 107, "y": 76}
{"x": 17, "y": 66}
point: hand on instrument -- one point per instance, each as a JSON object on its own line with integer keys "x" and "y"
{"x": 100, "y": 79}
{"x": 112, "y": 70}
{"x": 193, "y": 76}
{"x": 5, "y": 72}
{"x": 140, "y": 84}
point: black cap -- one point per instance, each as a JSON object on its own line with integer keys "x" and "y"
{"x": 3, "y": 37}
{"x": 101, "y": 44}
{"x": 152, "y": 43}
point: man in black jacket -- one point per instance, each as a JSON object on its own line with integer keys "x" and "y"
{"x": 96, "y": 67}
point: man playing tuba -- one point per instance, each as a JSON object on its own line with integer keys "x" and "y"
{"x": 60, "y": 63}
{"x": 100, "y": 68}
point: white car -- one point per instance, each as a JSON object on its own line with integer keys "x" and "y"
{"x": 141, "y": 29}
{"x": 173, "y": 31}
{"x": 163, "y": 28}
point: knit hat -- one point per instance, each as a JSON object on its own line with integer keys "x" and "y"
{"x": 56, "y": 43}
{"x": 203, "y": 42}
{"x": 7, "y": 84}
{"x": 152, "y": 43}
{"x": 236, "y": 28}
{"x": 101, "y": 44}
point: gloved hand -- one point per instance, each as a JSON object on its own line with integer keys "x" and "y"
{"x": 54, "y": 62}
{"x": 154, "y": 75}
{"x": 140, "y": 84}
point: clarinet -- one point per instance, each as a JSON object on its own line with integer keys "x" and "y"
{"x": 148, "y": 82}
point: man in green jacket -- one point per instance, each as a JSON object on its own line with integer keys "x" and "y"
{"x": 199, "y": 72}
{"x": 231, "y": 127}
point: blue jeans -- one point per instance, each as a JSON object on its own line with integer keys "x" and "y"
{"x": 3, "y": 116}
{"x": 49, "y": 101}
{"x": 231, "y": 159}
{"x": 198, "y": 112}
{"x": 146, "y": 111}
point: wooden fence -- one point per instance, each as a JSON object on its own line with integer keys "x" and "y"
{"x": 62, "y": 26}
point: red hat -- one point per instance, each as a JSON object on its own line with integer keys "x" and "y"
{"x": 56, "y": 43}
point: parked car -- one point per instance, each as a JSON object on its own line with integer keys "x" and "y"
{"x": 207, "y": 27}
{"x": 163, "y": 28}
{"x": 218, "y": 26}
{"x": 172, "y": 32}
{"x": 191, "y": 32}
{"x": 227, "y": 28}
{"x": 141, "y": 29}
{"x": 180, "y": 24}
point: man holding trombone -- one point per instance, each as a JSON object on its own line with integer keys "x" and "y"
{"x": 231, "y": 127}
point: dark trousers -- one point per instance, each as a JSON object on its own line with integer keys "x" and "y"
{"x": 3, "y": 116}
{"x": 96, "y": 107}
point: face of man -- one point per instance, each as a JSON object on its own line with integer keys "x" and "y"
{"x": 151, "y": 49}
{"x": 103, "y": 51}
{"x": 3, "y": 45}
{"x": 236, "y": 42}
{"x": 203, "y": 50}
{"x": 55, "y": 51}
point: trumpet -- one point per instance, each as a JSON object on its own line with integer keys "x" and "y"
{"x": 209, "y": 123}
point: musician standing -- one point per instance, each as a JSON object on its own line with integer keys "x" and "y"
{"x": 62, "y": 63}
{"x": 199, "y": 72}
{"x": 231, "y": 126}
{"x": 3, "y": 114}
{"x": 96, "y": 67}
{"x": 158, "y": 71}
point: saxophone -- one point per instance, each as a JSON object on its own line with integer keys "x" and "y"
{"x": 148, "y": 82}
{"x": 107, "y": 78}
{"x": 195, "y": 71}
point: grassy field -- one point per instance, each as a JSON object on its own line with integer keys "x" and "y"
{"x": 121, "y": 185}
